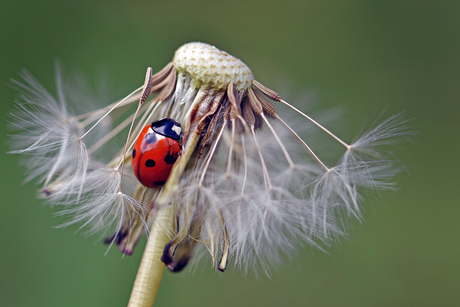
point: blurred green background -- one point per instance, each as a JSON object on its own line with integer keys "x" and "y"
{"x": 367, "y": 56}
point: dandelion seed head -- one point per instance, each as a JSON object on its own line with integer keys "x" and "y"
{"x": 250, "y": 185}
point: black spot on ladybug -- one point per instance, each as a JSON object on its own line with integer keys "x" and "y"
{"x": 150, "y": 163}
{"x": 171, "y": 159}
{"x": 134, "y": 153}
{"x": 150, "y": 138}
{"x": 159, "y": 183}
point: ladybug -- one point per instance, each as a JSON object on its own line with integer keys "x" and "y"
{"x": 155, "y": 152}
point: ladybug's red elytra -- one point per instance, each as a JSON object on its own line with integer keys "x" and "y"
{"x": 155, "y": 152}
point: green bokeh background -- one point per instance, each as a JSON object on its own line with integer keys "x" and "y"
{"x": 367, "y": 56}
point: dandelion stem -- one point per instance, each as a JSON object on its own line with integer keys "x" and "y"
{"x": 126, "y": 145}
{"x": 245, "y": 165}
{"x": 317, "y": 124}
{"x": 268, "y": 184}
{"x": 144, "y": 97}
{"x": 114, "y": 132}
{"x": 305, "y": 144}
{"x": 144, "y": 121}
{"x": 151, "y": 269}
{"x": 229, "y": 161}
{"x": 283, "y": 148}
{"x": 203, "y": 173}
{"x": 113, "y": 108}
{"x": 91, "y": 116}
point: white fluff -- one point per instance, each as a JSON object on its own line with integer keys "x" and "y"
{"x": 302, "y": 205}
{"x": 48, "y": 137}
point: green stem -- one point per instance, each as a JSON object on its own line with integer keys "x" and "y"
{"x": 151, "y": 269}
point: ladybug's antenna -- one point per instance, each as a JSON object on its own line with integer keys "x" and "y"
{"x": 144, "y": 96}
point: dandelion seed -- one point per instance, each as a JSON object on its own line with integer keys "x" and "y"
{"x": 246, "y": 185}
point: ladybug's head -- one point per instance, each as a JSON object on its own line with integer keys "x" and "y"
{"x": 168, "y": 128}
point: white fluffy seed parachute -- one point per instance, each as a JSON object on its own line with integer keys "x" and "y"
{"x": 249, "y": 185}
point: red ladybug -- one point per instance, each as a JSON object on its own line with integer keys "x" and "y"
{"x": 155, "y": 152}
